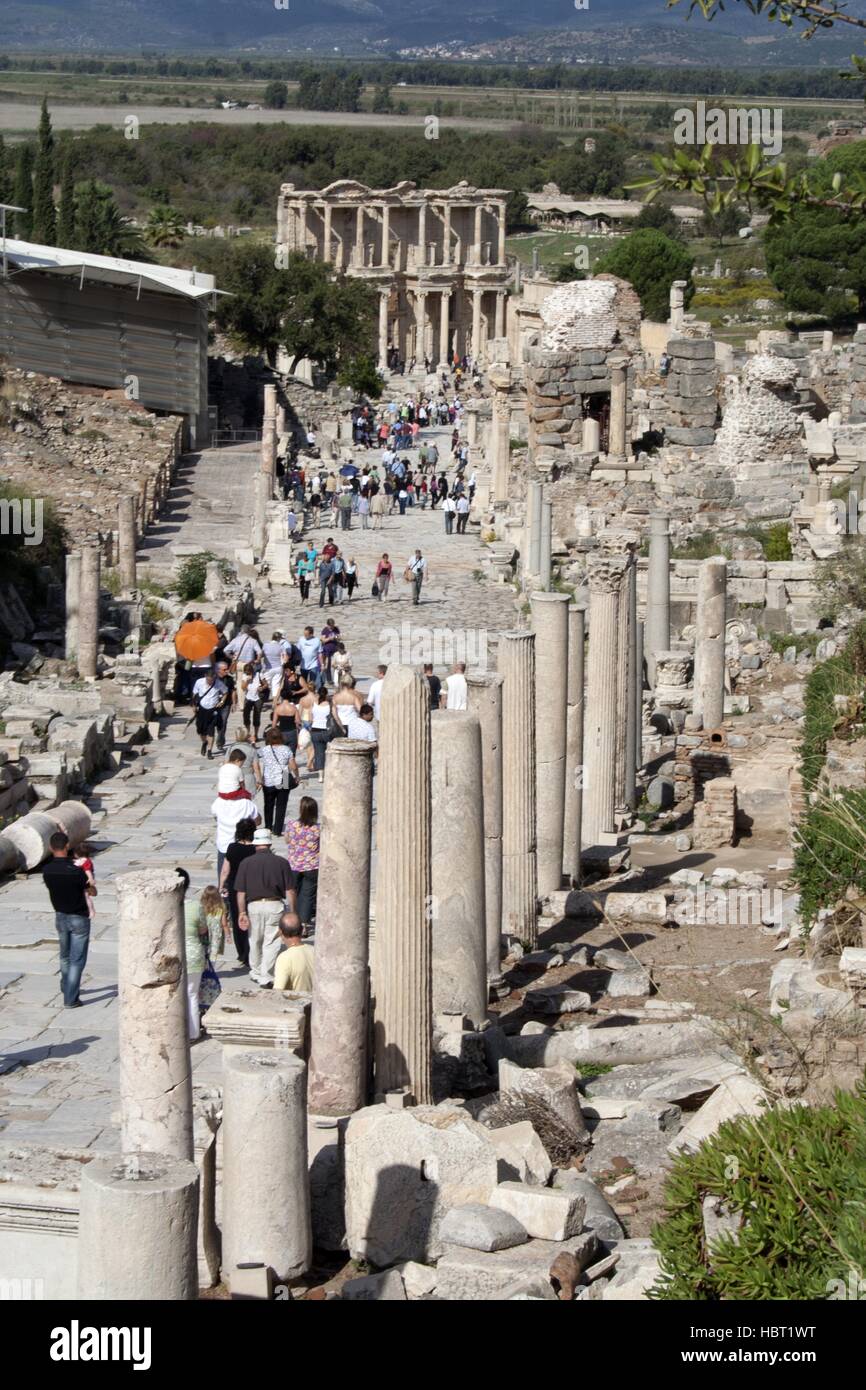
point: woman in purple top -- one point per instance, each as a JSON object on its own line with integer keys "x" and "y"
{"x": 302, "y": 838}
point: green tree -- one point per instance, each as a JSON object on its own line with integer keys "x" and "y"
{"x": 382, "y": 102}
{"x": 817, "y": 259}
{"x": 659, "y": 218}
{"x": 165, "y": 226}
{"x": 257, "y": 295}
{"x": 276, "y": 96}
{"x": 595, "y": 172}
{"x": 362, "y": 377}
{"x": 99, "y": 225}
{"x": 66, "y": 208}
{"x": 5, "y": 174}
{"x": 726, "y": 222}
{"x": 22, "y": 194}
{"x": 651, "y": 262}
{"x": 44, "y": 211}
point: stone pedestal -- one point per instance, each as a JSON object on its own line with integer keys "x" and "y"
{"x": 340, "y": 1024}
{"x": 137, "y": 1229}
{"x": 155, "y": 1073}
{"x": 709, "y": 698}
{"x": 601, "y": 727}
{"x": 404, "y": 1019}
{"x": 485, "y": 700}
{"x": 266, "y": 1192}
{"x": 126, "y": 543}
{"x": 88, "y": 612}
{"x": 458, "y": 901}
{"x": 72, "y": 595}
{"x": 516, "y": 660}
{"x": 574, "y": 745}
{"x": 591, "y": 435}
{"x": 550, "y": 625}
{"x": 658, "y": 594}
{"x": 243, "y": 1019}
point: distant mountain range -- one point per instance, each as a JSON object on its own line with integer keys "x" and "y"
{"x": 527, "y": 30}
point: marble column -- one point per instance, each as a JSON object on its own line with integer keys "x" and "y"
{"x": 638, "y": 699}
{"x": 535, "y": 501}
{"x": 269, "y": 434}
{"x": 500, "y": 426}
{"x": 421, "y": 248}
{"x": 404, "y": 1018}
{"x": 326, "y": 240}
{"x": 340, "y": 1024}
{"x": 302, "y": 229}
{"x": 384, "y": 300}
{"x": 88, "y": 611}
{"x": 385, "y": 258}
{"x": 265, "y": 1186}
{"x": 261, "y": 497}
{"x": 572, "y": 814}
{"x": 444, "y": 343}
{"x": 126, "y": 542}
{"x": 502, "y": 232}
{"x": 476, "y": 235}
{"x": 137, "y": 1229}
{"x": 155, "y": 1071}
{"x": 624, "y": 687}
{"x": 677, "y": 303}
{"x": 617, "y": 445}
{"x": 459, "y": 944}
{"x": 72, "y": 589}
{"x": 359, "y": 235}
{"x": 420, "y": 325}
{"x": 485, "y": 700}
{"x": 476, "y": 324}
{"x": 500, "y": 313}
{"x": 446, "y": 235}
{"x": 658, "y": 591}
{"x": 591, "y": 442}
{"x": 550, "y": 625}
{"x": 709, "y": 695}
{"x": 601, "y": 730}
{"x": 516, "y": 660}
{"x": 545, "y": 544}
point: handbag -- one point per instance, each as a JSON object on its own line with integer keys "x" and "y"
{"x": 408, "y": 574}
{"x": 375, "y": 589}
{"x": 210, "y": 988}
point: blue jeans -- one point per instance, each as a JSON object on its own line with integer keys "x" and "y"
{"x": 74, "y": 935}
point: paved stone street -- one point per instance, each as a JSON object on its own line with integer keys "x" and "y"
{"x": 58, "y": 1069}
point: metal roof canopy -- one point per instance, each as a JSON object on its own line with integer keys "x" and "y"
{"x": 189, "y": 284}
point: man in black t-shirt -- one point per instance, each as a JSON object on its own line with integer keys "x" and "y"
{"x": 434, "y": 683}
{"x": 224, "y": 710}
{"x": 68, "y": 888}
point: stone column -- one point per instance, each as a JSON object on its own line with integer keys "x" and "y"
{"x": 72, "y": 590}
{"x": 502, "y": 225}
{"x": 476, "y": 324}
{"x": 404, "y": 1019}
{"x": 624, "y": 687}
{"x": 638, "y": 699}
{"x": 545, "y": 544}
{"x": 459, "y": 942}
{"x": 516, "y": 661}
{"x": 326, "y": 244}
{"x": 261, "y": 497}
{"x": 421, "y": 249}
{"x": 444, "y": 343}
{"x": 359, "y": 234}
{"x": 384, "y": 300}
{"x": 302, "y": 229}
{"x": 574, "y": 746}
{"x": 155, "y": 1073}
{"x": 137, "y": 1228}
{"x": 446, "y": 235}
{"x": 500, "y": 426}
{"x": 677, "y": 301}
{"x": 535, "y": 503}
{"x": 618, "y": 444}
{"x": 591, "y": 442}
{"x": 658, "y": 591}
{"x": 340, "y": 1025}
{"x": 266, "y": 1190}
{"x": 420, "y": 325}
{"x": 386, "y": 235}
{"x": 606, "y": 573}
{"x": 476, "y": 236}
{"x": 500, "y": 313}
{"x": 709, "y": 700}
{"x": 550, "y": 625}
{"x": 485, "y": 699}
{"x": 126, "y": 542}
{"x": 88, "y": 611}
{"x": 269, "y": 434}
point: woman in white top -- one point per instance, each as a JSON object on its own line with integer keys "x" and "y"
{"x": 276, "y": 773}
{"x": 253, "y": 687}
{"x": 321, "y": 730}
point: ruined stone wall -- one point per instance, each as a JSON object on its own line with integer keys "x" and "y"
{"x": 691, "y": 391}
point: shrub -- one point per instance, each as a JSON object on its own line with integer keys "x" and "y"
{"x": 191, "y": 574}
{"x": 840, "y": 675}
{"x": 777, "y": 542}
{"x": 798, "y": 1177}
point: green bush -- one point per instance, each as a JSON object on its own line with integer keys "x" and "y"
{"x": 192, "y": 572}
{"x": 800, "y": 641}
{"x": 776, "y": 541}
{"x": 830, "y": 851}
{"x": 798, "y": 1176}
{"x": 842, "y": 674}
{"x": 700, "y": 547}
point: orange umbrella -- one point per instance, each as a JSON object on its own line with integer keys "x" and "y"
{"x": 195, "y": 640}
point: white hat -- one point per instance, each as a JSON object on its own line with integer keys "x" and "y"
{"x": 262, "y": 837}
{"x": 230, "y": 778}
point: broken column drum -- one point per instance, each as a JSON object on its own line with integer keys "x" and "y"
{"x": 550, "y": 625}
{"x": 709, "y": 693}
{"x": 458, "y": 901}
{"x": 485, "y": 700}
{"x": 601, "y": 727}
{"x": 516, "y": 660}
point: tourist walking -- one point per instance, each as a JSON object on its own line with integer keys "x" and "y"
{"x": 374, "y": 694}
{"x": 352, "y": 577}
{"x": 285, "y": 718}
{"x": 302, "y": 839}
{"x": 213, "y": 910}
{"x": 225, "y": 707}
{"x": 252, "y": 687}
{"x": 456, "y": 690}
{"x": 384, "y": 574}
{"x": 240, "y": 849}
{"x": 276, "y": 775}
{"x": 462, "y": 514}
{"x": 305, "y": 570}
{"x": 265, "y": 886}
{"x": 195, "y": 936}
{"x": 449, "y": 511}
{"x": 69, "y": 891}
{"x": 320, "y": 730}
{"x": 416, "y": 568}
{"x": 232, "y": 804}
{"x": 208, "y": 694}
{"x": 310, "y": 647}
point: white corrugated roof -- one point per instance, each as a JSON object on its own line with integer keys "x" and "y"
{"x": 191, "y": 284}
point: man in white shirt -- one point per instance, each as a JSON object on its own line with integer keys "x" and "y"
{"x": 208, "y": 695}
{"x": 417, "y": 565}
{"x": 449, "y": 510}
{"x": 462, "y": 514}
{"x": 244, "y": 647}
{"x": 456, "y": 692}
{"x": 374, "y": 694}
{"x": 360, "y": 725}
{"x": 230, "y": 806}
{"x": 272, "y": 651}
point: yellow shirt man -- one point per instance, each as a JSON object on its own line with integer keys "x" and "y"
{"x": 294, "y": 969}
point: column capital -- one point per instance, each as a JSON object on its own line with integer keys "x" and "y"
{"x": 605, "y": 573}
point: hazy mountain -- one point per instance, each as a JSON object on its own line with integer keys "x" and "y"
{"x": 356, "y": 26}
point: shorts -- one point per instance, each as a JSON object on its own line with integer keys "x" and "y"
{"x": 205, "y": 721}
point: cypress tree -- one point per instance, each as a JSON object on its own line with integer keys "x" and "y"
{"x": 66, "y": 211}
{"x": 22, "y": 194}
{"x": 44, "y": 212}
{"x": 5, "y": 174}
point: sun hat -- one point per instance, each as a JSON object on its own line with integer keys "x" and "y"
{"x": 262, "y": 837}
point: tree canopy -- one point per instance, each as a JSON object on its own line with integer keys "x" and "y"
{"x": 817, "y": 259}
{"x": 650, "y": 261}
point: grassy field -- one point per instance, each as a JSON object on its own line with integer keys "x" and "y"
{"x": 555, "y": 248}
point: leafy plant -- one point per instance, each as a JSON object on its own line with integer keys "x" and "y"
{"x": 840, "y": 675}
{"x": 192, "y": 572}
{"x": 830, "y": 851}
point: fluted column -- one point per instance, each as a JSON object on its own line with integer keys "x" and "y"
{"x": 72, "y": 592}
{"x": 550, "y": 625}
{"x": 516, "y": 662}
{"x": 420, "y": 324}
{"x": 485, "y": 699}
{"x": 384, "y": 259}
{"x": 476, "y": 324}
{"x": 326, "y": 243}
{"x": 444, "y": 344}
{"x": 384, "y": 300}
{"x": 340, "y": 1016}
{"x": 459, "y": 912}
{"x": 404, "y": 1019}
{"x": 359, "y": 234}
{"x": 658, "y": 591}
{"x": 126, "y": 542}
{"x": 624, "y": 687}
{"x": 88, "y": 611}
{"x": 606, "y": 574}
{"x": 709, "y": 699}
{"x": 269, "y": 435}
{"x": 574, "y": 778}
{"x": 153, "y": 1043}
